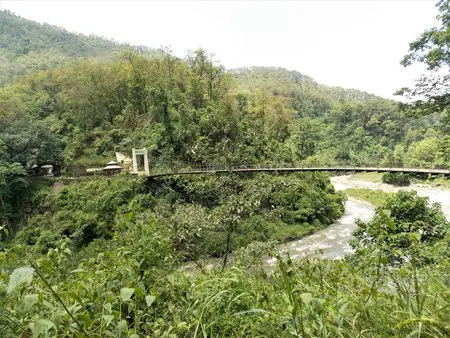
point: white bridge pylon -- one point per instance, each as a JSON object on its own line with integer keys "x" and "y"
{"x": 140, "y": 152}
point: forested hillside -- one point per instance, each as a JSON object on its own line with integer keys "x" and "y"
{"x": 27, "y": 46}
{"x": 189, "y": 109}
{"x": 194, "y": 110}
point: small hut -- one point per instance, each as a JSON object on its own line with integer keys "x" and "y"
{"x": 111, "y": 168}
{"x": 47, "y": 170}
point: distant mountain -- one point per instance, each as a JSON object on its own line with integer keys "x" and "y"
{"x": 27, "y": 46}
{"x": 275, "y": 79}
{"x": 308, "y": 97}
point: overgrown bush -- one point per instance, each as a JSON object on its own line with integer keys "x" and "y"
{"x": 128, "y": 288}
{"x": 404, "y": 220}
{"x": 206, "y": 215}
{"x": 82, "y": 211}
{"x": 397, "y": 179}
{"x": 213, "y": 214}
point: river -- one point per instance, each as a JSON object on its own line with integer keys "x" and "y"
{"x": 333, "y": 242}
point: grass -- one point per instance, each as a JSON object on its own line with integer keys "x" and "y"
{"x": 434, "y": 182}
{"x": 368, "y": 177}
{"x": 282, "y": 232}
{"x": 376, "y": 178}
{"x": 375, "y": 197}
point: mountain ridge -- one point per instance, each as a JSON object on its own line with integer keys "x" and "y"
{"x": 91, "y": 46}
{"x": 27, "y": 46}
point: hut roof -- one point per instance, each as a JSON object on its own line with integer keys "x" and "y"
{"x": 112, "y": 167}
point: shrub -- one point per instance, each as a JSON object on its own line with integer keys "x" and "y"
{"x": 405, "y": 218}
{"x": 397, "y": 179}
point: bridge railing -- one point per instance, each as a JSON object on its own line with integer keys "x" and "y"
{"x": 185, "y": 167}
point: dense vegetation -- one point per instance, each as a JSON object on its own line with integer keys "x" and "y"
{"x": 398, "y": 179}
{"x": 57, "y": 280}
{"x": 27, "y": 47}
{"x": 194, "y": 110}
{"x": 208, "y": 216}
{"x": 124, "y": 256}
{"x": 410, "y": 226}
{"x": 172, "y": 106}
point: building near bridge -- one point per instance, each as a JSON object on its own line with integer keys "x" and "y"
{"x": 44, "y": 170}
{"x": 111, "y": 168}
{"x": 47, "y": 170}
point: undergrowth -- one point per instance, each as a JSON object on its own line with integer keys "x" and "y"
{"x": 129, "y": 283}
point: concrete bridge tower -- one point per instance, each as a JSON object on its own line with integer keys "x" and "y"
{"x": 140, "y": 152}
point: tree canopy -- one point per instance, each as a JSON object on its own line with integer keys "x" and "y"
{"x": 431, "y": 92}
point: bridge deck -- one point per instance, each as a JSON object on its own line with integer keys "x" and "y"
{"x": 243, "y": 169}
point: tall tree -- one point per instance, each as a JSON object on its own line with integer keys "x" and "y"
{"x": 431, "y": 92}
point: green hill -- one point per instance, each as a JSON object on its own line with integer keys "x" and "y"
{"x": 93, "y": 96}
{"x": 27, "y": 46}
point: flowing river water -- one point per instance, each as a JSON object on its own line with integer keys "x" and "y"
{"x": 333, "y": 242}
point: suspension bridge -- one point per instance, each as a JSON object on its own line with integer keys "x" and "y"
{"x": 182, "y": 168}
{"x": 289, "y": 167}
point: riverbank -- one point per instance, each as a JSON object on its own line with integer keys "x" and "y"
{"x": 374, "y": 197}
{"x": 432, "y": 182}
{"x": 332, "y": 242}
{"x": 435, "y": 194}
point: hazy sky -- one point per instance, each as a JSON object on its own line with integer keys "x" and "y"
{"x": 353, "y": 44}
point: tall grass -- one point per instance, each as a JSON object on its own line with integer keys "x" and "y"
{"x": 375, "y": 197}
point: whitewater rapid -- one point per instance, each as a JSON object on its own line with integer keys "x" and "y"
{"x": 333, "y": 242}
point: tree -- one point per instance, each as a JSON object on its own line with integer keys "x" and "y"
{"x": 32, "y": 143}
{"x": 423, "y": 153}
{"x": 13, "y": 188}
{"x": 307, "y": 137}
{"x": 137, "y": 84}
{"x": 432, "y": 92}
{"x": 404, "y": 218}
{"x": 207, "y": 79}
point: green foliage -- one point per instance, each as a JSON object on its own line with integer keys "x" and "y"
{"x": 397, "y": 179}
{"x": 82, "y": 211}
{"x": 209, "y": 215}
{"x": 32, "y": 144}
{"x": 423, "y": 152}
{"x": 193, "y": 111}
{"x": 216, "y": 214}
{"x": 404, "y": 221}
{"x": 14, "y": 189}
{"x": 431, "y": 91}
{"x": 375, "y": 197}
{"x": 106, "y": 295}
